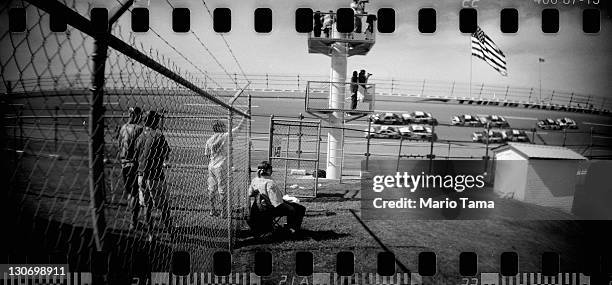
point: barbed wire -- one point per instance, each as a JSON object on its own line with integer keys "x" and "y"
{"x": 208, "y": 50}
{"x": 227, "y": 45}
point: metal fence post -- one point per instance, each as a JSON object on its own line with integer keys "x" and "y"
{"x": 506, "y": 95}
{"x": 228, "y": 190}
{"x": 96, "y": 132}
{"x": 486, "y": 157}
{"x": 342, "y": 158}
{"x": 423, "y": 88}
{"x": 588, "y": 101}
{"x": 267, "y": 86}
{"x": 316, "y": 186}
{"x": 287, "y": 156}
{"x": 392, "y": 85}
{"x": 571, "y": 99}
{"x": 367, "y": 154}
{"x": 270, "y": 139}
{"x": 552, "y": 96}
{"x": 530, "y": 93}
{"x": 298, "y": 82}
{"x": 591, "y": 143}
{"x": 249, "y": 143}
{"x": 20, "y": 122}
{"x": 55, "y": 129}
{"x": 480, "y": 92}
{"x": 399, "y": 153}
{"x": 299, "y": 150}
{"x": 453, "y": 89}
{"x": 431, "y": 140}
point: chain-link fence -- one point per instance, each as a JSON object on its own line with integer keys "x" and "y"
{"x": 77, "y": 152}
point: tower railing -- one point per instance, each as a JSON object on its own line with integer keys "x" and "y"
{"x": 317, "y": 97}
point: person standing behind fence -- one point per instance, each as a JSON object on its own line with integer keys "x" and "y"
{"x": 128, "y": 134}
{"x": 216, "y": 150}
{"x": 318, "y": 24}
{"x": 152, "y": 151}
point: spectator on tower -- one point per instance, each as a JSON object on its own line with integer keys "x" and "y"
{"x": 358, "y": 7}
{"x": 370, "y": 28}
{"x": 328, "y": 22}
{"x": 357, "y": 25}
{"x": 354, "y": 89}
{"x": 216, "y": 151}
{"x": 128, "y": 134}
{"x": 318, "y": 24}
{"x": 152, "y": 151}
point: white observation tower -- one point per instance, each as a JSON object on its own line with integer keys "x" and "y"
{"x": 331, "y": 101}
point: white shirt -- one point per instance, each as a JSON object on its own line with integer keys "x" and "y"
{"x": 216, "y": 149}
{"x": 267, "y": 186}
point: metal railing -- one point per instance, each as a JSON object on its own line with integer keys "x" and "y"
{"x": 387, "y": 87}
{"x": 356, "y": 97}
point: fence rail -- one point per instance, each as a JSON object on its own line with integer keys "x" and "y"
{"x": 384, "y": 86}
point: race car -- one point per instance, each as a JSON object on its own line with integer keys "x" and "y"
{"x": 384, "y": 132}
{"x": 386, "y": 119}
{"x": 567, "y": 123}
{"x": 494, "y": 121}
{"x": 466, "y": 120}
{"x": 495, "y": 136}
{"x": 548, "y": 124}
{"x": 418, "y": 132}
{"x": 419, "y": 117}
{"x": 515, "y": 136}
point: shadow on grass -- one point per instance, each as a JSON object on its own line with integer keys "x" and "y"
{"x": 245, "y": 238}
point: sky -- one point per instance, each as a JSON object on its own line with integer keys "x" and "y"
{"x": 575, "y": 61}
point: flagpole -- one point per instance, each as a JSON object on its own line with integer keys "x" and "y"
{"x": 471, "y": 60}
{"x": 540, "y": 77}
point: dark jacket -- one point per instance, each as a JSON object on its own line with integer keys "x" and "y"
{"x": 354, "y": 86}
{"x": 318, "y": 23}
{"x": 152, "y": 150}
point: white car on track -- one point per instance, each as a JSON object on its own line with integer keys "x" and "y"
{"x": 495, "y": 136}
{"x": 567, "y": 123}
{"x": 417, "y": 132}
{"x": 419, "y": 117}
{"x": 386, "y": 119}
{"x": 382, "y": 132}
{"x": 466, "y": 120}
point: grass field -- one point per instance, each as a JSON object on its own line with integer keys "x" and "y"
{"x": 332, "y": 224}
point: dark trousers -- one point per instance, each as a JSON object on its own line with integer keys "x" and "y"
{"x": 294, "y": 212}
{"x": 354, "y": 101}
{"x": 357, "y": 26}
{"x": 317, "y": 31}
{"x": 130, "y": 184}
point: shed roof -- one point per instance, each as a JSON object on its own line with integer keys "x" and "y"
{"x": 534, "y": 151}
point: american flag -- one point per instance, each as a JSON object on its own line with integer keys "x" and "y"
{"x": 484, "y": 48}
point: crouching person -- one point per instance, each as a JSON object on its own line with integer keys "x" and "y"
{"x": 271, "y": 199}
